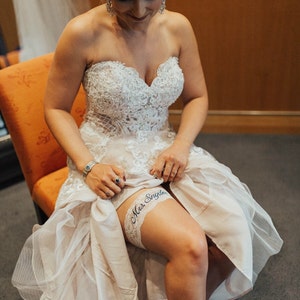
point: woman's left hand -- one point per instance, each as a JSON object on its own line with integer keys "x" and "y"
{"x": 171, "y": 163}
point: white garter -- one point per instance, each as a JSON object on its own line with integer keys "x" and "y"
{"x": 138, "y": 210}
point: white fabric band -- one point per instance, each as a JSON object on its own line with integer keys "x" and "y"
{"x": 138, "y": 210}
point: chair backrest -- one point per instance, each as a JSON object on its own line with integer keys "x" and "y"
{"x": 22, "y": 88}
{"x": 9, "y": 59}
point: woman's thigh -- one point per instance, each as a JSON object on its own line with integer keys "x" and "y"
{"x": 166, "y": 227}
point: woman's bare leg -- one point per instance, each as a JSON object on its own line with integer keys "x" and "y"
{"x": 170, "y": 231}
{"x": 220, "y": 267}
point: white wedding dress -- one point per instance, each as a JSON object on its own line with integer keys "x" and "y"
{"x": 80, "y": 252}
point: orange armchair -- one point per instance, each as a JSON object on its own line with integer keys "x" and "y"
{"x": 42, "y": 161}
{"x": 9, "y": 59}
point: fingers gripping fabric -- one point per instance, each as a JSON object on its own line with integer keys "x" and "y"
{"x": 141, "y": 206}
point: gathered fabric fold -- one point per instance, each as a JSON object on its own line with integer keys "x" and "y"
{"x": 80, "y": 252}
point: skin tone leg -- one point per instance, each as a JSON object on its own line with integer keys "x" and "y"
{"x": 195, "y": 265}
{"x": 220, "y": 267}
{"x": 170, "y": 231}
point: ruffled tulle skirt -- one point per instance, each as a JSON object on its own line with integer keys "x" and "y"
{"x": 80, "y": 252}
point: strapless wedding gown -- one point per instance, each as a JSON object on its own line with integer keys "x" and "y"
{"x": 80, "y": 252}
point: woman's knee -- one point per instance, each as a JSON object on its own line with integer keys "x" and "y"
{"x": 193, "y": 251}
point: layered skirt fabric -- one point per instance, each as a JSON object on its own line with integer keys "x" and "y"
{"x": 80, "y": 252}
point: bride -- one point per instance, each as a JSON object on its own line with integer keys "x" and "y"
{"x": 144, "y": 213}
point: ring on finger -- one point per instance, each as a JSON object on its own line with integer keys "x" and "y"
{"x": 174, "y": 173}
{"x": 117, "y": 180}
{"x": 107, "y": 194}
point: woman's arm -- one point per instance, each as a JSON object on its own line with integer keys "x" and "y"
{"x": 64, "y": 80}
{"x": 171, "y": 163}
{"x": 66, "y": 73}
{"x": 194, "y": 95}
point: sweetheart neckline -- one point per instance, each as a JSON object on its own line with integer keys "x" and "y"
{"x": 120, "y": 63}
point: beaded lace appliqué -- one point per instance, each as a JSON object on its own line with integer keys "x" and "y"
{"x": 120, "y": 102}
{"x": 126, "y": 121}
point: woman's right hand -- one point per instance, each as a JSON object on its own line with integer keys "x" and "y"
{"x": 106, "y": 180}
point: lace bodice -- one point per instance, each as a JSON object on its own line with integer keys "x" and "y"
{"x": 121, "y": 102}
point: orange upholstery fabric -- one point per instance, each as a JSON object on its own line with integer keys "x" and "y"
{"x": 3, "y": 61}
{"x": 22, "y": 89}
{"x": 45, "y": 190}
{"x": 9, "y": 59}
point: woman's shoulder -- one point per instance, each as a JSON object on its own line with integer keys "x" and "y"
{"x": 177, "y": 22}
{"x": 85, "y": 27}
{"x": 176, "y": 16}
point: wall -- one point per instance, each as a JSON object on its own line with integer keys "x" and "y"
{"x": 95, "y": 2}
{"x": 249, "y": 48}
{"x": 8, "y": 24}
{"x": 250, "y": 51}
